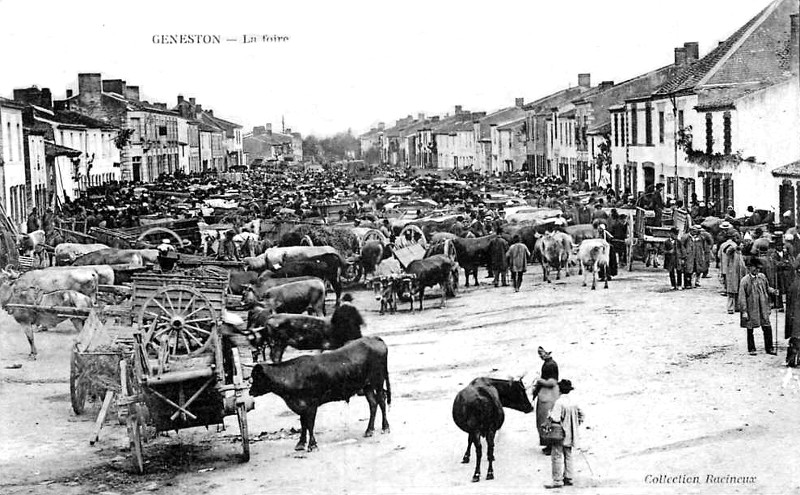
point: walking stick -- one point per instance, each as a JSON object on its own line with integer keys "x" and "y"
{"x": 587, "y": 462}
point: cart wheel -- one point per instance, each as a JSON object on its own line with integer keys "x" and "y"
{"x": 452, "y": 285}
{"x": 306, "y": 241}
{"x": 241, "y": 415}
{"x": 77, "y": 388}
{"x": 135, "y": 433}
{"x": 352, "y": 273}
{"x": 179, "y": 321}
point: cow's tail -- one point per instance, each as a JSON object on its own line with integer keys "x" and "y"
{"x": 388, "y": 385}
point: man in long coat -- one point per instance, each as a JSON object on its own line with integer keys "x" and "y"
{"x": 754, "y": 291}
{"x": 497, "y": 258}
{"x": 784, "y": 266}
{"x": 517, "y": 258}
{"x": 733, "y": 269}
{"x": 694, "y": 257}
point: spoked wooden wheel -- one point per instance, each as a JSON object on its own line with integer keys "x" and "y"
{"x": 241, "y": 415}
{"x": 452, "y": 284}
{"x": 374, "y": 235}
{"x": 178, "y": 321}
{"x": 77, "y": 386}
{"x": 135, "y": 434}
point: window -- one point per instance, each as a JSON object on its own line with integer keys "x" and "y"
{"x": 634, "y": 125}
{"x": 680, "y": 119}
{"x": 726, "y": 132}
{"x": 616, "y": 130}
{"x": 661, "y": 127}
{"x": 162, "y": 130}
{"x": 8, "y": 138}
{"x": 648, "y": 124}
{"x": 19, "y": 143}
{"x": 709, "y": 134}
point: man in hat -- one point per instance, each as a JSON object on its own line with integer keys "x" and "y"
{"x": 566, "y": 412}
{"x": 672, "y": 259}
{"x": 167, "y": 255}
{"x": 754, "y": 291}
{"x": 228, "y": 250}
{"x": 784, "y": 267}
{"x": 708, "y": 243}
{"x": 545, "y": 392}
{"x": 787, "y": 222}
{"x": 694, "y": 257}
{"x": 733, "y": 269}
{"x": 517, "y": 259}
{"x": 658, "y": 203}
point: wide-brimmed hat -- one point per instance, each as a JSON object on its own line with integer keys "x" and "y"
{"x": 565, "y": 386}
{"x": 543, "y": 352}
{"x": 725, "y": 225}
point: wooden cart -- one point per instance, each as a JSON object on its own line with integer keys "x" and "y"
{"x": 185, "y": 374}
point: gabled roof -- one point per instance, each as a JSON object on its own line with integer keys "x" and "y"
{"x": 749, "y": 53}
{"x": 275, "y": 138}
{"x": 555, "y": 100}
{"x": 515, "y": 124}
{"x": 11, "y": 103}
{"x": 500, "y": 117}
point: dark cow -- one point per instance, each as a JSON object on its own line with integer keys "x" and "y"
{"x": 793, "y": 353}
{"x": 296, "y": 297}
{"x": 471, "y": 253}
{"x": 307, "y": 382}
{"x": 478, "y": 411}
{"x": 372, "y": 253}
{"x": 554, "y": 250}
{"x": 328, "y": 267}
{"x": 438, "y": 269}
{"x": 282, "y": 330}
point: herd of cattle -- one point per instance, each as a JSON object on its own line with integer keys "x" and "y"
{"x": 284, "y": 292}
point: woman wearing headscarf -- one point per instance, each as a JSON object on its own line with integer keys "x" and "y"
{"x": 545, "y": 391}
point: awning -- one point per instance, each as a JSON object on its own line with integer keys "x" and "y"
{"x": 53, "y": 150}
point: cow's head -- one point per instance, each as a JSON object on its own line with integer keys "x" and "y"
{"x": 379, "y": 288}
{"x": 261, "y": 382}
{"x": 248, "y": 296}
{"x": 515, "y": 396}
{"x": 7, "y": 279}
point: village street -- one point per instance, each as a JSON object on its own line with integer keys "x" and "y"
{"x": 663, "y": 377}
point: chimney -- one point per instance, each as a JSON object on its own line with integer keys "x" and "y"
{"x": 381, "y": 126}
{"x": 89, "y": 89}
{"x": 210, "y": 112}
{"x": 259, "y": 130}
{"x": 520, "y": 102}
{"x": 794, "y": 44}
{"x": 180, "y": 99}
{"x": 420, "y": 116}
{"x": 34, "y": 96}
{"x": 192, "y": 101}
{"x": 117, "y": 86}
{"x": 478, "y": 115}
{"x": 287, "y": 131}
{"x": 606, "y": 84}
{"x": 269, "y": 129}
{"x": 458, "y": 110}
{"x": 132, "y": 93}
{"x": 69, "y": 93}
{"x": 692, "y": 51}
{"x": 198, "y": 109}
{"x": 435, "y": 119}
{"x": 585, "y": 80}
{"x": 680, "y": 56}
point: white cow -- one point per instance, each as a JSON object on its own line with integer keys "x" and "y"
{"x": 67, "y": 252}
{"x": 593, "y": 254}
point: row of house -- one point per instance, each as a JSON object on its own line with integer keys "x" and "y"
{"x": 722, "y": 128}
{"x": 263, "y": 146}
{"x": 52, "y": 150}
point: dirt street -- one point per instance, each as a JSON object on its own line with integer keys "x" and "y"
{"x": 664, "y": 379}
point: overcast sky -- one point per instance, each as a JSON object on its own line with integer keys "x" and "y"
{"x": 351, "y": 64}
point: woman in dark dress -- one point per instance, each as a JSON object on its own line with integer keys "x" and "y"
{"x": 545, "y": 391}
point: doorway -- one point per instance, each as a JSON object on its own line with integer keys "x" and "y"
{"x": 649, "y": 176}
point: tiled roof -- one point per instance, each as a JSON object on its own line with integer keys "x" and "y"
{"x": 555, "y": 100}
{"x": 693, "y": 74}
{"x": 53, "y": 150}
{"x": 788, "y": 170}
{"x": 500, "y": 117}
{"x": 275, "y": 138}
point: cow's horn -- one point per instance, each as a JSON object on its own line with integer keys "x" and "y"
{"x": 257, "y": 329}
